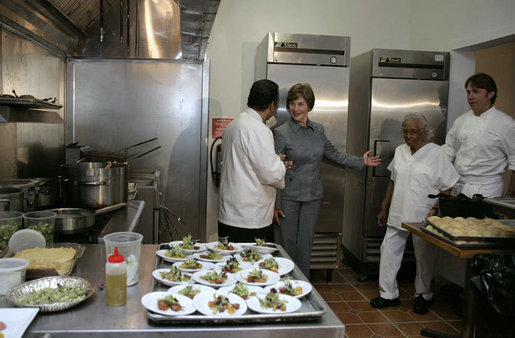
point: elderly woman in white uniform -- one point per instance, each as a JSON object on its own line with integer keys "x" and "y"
{"x": 418, "y": 168}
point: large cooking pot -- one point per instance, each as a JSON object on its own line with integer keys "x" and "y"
{"x": 95, "y": 184}
{"x": 74, "y": 220}
{"x": 48, "y": 192}
{"x": 11, "y": 199}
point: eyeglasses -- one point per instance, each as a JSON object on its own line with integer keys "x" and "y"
{"x": 410, "y": 131}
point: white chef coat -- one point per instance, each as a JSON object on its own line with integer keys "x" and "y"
{"x": 481, "y": 148}
{"x": 428, "y": 171}
{"x": 251, "y": 171}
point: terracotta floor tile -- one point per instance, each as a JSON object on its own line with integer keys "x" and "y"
{"x": 372, "y": 317}
{"x": 367, "y": 286}
{"x": 353, "y": 331}
{"x": 370, "y": 294}
{"x": 339, "y": 306}
{"x": 425, "y": 317}
{"x": 349, "y": 318}
{"x": 439, "y": 326}
{"x": 410, "y": 329}
{"x": 353, "y": 295}
{"x": 336, "y": 288}
{"x": 385, "y": 330}
{"x": 330, "y": 296}
{"x": 455, "y": 324}
{"x": 360, "y": 305}
{"x": 398, "y": 316}
{"x": 445, "y": 313}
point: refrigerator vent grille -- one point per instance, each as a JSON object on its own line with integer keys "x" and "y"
{"x": 326, "y": 251}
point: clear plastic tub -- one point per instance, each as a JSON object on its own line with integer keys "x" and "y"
{"x": 41, "y": 221}
{"x": 129, "y": 245}
{"x": 10, "y": 222}
{"x": 12, "y": 273}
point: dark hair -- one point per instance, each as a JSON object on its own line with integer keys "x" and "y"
{"x": 484, "y": 81}
{"x": 262, "y": 94}
{"x": 303, "y": 90}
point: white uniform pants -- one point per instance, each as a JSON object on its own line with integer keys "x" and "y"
{"x": 392, "y": 250}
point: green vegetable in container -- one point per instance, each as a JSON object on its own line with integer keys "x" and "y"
{"x": 46, "y": 229}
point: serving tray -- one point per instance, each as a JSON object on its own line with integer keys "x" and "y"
{"x": 312, "y": 306}
{"x": 477, "y": 244}
{"x": 506, "y": 240}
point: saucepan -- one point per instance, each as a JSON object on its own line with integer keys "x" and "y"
{"x": 74, "y": 220}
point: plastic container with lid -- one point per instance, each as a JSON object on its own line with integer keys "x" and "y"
{"x": 41, "y": 221}
{"x": 12, "y": 273}
{"x": 116, "y": 279}
{"x": 10, "y": 222}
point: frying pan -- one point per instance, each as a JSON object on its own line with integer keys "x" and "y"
{"x": 74, "y": 220}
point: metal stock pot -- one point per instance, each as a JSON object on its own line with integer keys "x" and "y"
{"x": 95, "y": 184}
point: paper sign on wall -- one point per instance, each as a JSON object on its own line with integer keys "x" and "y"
{"x": 219, "y": 125}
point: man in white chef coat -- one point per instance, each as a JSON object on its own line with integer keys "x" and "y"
{"x": 251, "y": 170}
{"x": 481, "y": 142}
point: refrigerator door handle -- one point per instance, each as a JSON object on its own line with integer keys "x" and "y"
{"x": 375, "y": 154}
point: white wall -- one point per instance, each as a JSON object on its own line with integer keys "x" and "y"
{"x": 404, "y": 24}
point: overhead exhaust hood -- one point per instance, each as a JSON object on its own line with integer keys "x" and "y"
{"x": 146, "y": 29}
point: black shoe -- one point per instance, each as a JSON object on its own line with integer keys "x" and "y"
{"x": 380, "y": 302}
{"x": 421, "y": 305}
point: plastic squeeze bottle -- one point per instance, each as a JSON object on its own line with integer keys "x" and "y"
{"x": 116, "y": 279}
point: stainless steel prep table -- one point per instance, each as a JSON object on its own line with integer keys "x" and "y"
{"x": 94, "y": 318}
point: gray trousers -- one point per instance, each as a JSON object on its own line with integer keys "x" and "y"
{"x": 296, "y": 231}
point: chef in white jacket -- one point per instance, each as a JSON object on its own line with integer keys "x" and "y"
{"x": 418, "y": 168}
{"x": 251, "y": 170}
{"x": 481, "y": 142}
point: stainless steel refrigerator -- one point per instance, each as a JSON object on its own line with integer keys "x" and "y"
{"x": 323, "y": 62}
{"x": 386, "y": 85}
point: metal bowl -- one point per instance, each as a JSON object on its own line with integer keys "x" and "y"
{"x": 50, "y": 283}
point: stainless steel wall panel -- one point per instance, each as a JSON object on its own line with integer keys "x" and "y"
{"x": 120, "y": 103}
{"x": 38, "y": 148}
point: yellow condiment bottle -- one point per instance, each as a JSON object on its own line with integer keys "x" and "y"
{"x": 116, "y": 279}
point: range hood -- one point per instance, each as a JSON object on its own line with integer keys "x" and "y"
{"x": 143, "y": 29}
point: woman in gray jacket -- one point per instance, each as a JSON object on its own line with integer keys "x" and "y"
{"x": 304, "y": 142}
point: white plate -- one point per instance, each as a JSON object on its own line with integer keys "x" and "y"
{"x": 17, "y": 320}
{"x": 243, "y": 266}
{"x": 200, "y": 302}
{"x": 251, "y": 288}
{"x": 263, "y": 256}
{"x": 162, "y": 254}
{"x": 205, "y": 266}
{"x": 292, "y": 305}
{"x": 157, "y": 275}
{"x": 223, "y": 259}
{"x": 285, "y": 265}
{"x": 272, "y": 277}
{"x": 306, "y": 287}
{"x": 202, "y": 247}
{"x": 150, "y": 302}
{"x": 263, "y": 249}
{"x": 229, "y": 281}
{"x": 212, "y": 245}
{"x": 202, "y": 288}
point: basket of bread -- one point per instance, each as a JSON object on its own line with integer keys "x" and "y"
{"x": 57, "y": 260}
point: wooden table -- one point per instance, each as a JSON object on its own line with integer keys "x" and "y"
{"x": 465, "y": 253}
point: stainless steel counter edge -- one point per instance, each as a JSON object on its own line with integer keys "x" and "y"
{"x": 94, "y": 318}
{"x": 124, "y": 219}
